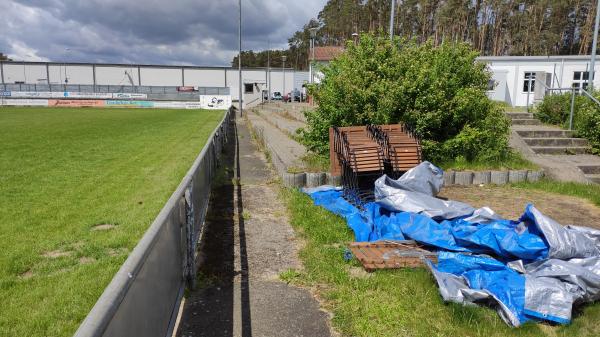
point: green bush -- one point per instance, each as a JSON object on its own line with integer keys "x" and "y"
{"x": 438, "y": 91}
{"x": 555, "y": 109}
{"x": 587, "y": 122}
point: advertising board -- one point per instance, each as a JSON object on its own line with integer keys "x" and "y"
{"x": 92, "y": 95}
{"x": 24, "y": 102}
{"x": 76, "y": 103}
{"x": 124, "y": 95}
{"x": 215, "y": 102}
{"x": 129, "y": 104}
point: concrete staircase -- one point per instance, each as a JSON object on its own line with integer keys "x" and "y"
{"x": 523, "y": 118}
{"x": 552, "y": 141}
{"x": 591, "y": 172}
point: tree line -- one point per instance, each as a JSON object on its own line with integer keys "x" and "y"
{"x": 492, "y": 27}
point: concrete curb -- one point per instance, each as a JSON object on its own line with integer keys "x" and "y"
{"x": 461, "y": 178}
{"x": 465, "y": 178}
{"x": 451, "y": 177}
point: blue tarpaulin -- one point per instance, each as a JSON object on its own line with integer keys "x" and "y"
{"x": 481, "y": 256}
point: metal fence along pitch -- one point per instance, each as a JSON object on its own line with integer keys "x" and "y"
{"x": 144, "y": 296}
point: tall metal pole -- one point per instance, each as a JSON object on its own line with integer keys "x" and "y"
{"x": 283, "y": 58}
{"x": 392, "y": 19}
{"x": 594, "y": 46}
{"x": 269, "y": 70}
{"x": 240, "y": 57}
{"x": 313, "y": 35}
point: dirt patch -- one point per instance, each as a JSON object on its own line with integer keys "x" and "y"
{"x": 510, "y": 203}
{"x": 26, "y": 275}
{"x": 358, "y": 272}
{"x": 117, "y": 251}
{"x": 86, "y": 260}
{"x": 54, "y": 254}
{"x": 103, "y": 227}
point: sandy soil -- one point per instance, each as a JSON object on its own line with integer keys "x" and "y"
{"x": 510, "y": 202}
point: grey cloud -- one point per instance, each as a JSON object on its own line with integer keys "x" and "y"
{"x": 147, "y": 31}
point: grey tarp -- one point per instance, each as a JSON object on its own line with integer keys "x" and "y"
{"x": 415, "y": 192}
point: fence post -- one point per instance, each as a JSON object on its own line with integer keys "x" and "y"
{"x": 572, "y": 109}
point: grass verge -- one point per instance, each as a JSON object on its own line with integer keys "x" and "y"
{"x": 78, "y": 189}
{"x": 514, "y": 162}
{"x": 403, "y": 302}
{"x": 590, "y": 192}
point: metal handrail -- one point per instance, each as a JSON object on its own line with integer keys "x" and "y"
{"x": 591, "y": 97}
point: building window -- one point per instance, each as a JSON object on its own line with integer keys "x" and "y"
{"x": 581, "y": 79}
{"x": 248, "y": 88}
{"x": 529, "y": 82}
{"x": 491, "y": 85}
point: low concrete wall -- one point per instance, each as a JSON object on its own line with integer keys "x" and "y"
{"x": 144, "y": 296}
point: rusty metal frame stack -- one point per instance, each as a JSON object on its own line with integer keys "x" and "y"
{"x": 362, "y": 161}
{"x": 361, "y": 154}
{"x": 401, "y": 147}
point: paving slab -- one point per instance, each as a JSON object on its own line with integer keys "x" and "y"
{"x": 285, "y": 151}
{"x": 246, "y": 244}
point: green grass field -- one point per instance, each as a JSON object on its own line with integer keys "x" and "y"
{"x": 402, "y": 302}
{"x": 63, "y": 172}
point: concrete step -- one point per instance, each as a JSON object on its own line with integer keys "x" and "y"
{"x": 577, "y": 142}
{"x": 545, "y": 133}
{"x": 595, "y": 178}
{"x": 526, "y": 121}
{"x": 560, "y": 149}
{"x": 590, "y": 169}
{"x": 519, "y": 115}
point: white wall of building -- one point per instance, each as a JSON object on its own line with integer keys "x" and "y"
{"x": 161, "y": 76}
{"x": 205, "y": 77}
{"x": 117, "y": 74}
{"x": 561, "y": 68}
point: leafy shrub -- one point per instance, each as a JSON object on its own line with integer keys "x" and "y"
{"x": 555, "y": 109}
{"x": 438, "y": 91}
{"x": 587, "y": 122}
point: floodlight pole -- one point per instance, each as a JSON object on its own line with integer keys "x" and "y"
{"x": 594, "y": 46}
{"x": 240, "y": 57}
{"x": 269, "y": 71}
{"x": 313, "y": 35}
{"x": 392, "y": 19}
{"x": 283, "y": 58}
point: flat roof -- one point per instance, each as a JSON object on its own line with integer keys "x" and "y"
{"x": 130, "y": 65}
{"x": 536, "y": 58}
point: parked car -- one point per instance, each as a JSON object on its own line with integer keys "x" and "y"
{"x": 295, "y": 95}
{"x": 277, "y": 96}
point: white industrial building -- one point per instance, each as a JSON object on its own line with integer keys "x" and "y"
{"x": 255, "y": 80}
{"x": 512, "y": 74}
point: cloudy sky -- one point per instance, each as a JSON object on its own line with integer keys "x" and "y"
{"x": 195, "y": 32}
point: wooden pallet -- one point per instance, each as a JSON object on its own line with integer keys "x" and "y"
{"x": 391, "y": 254}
